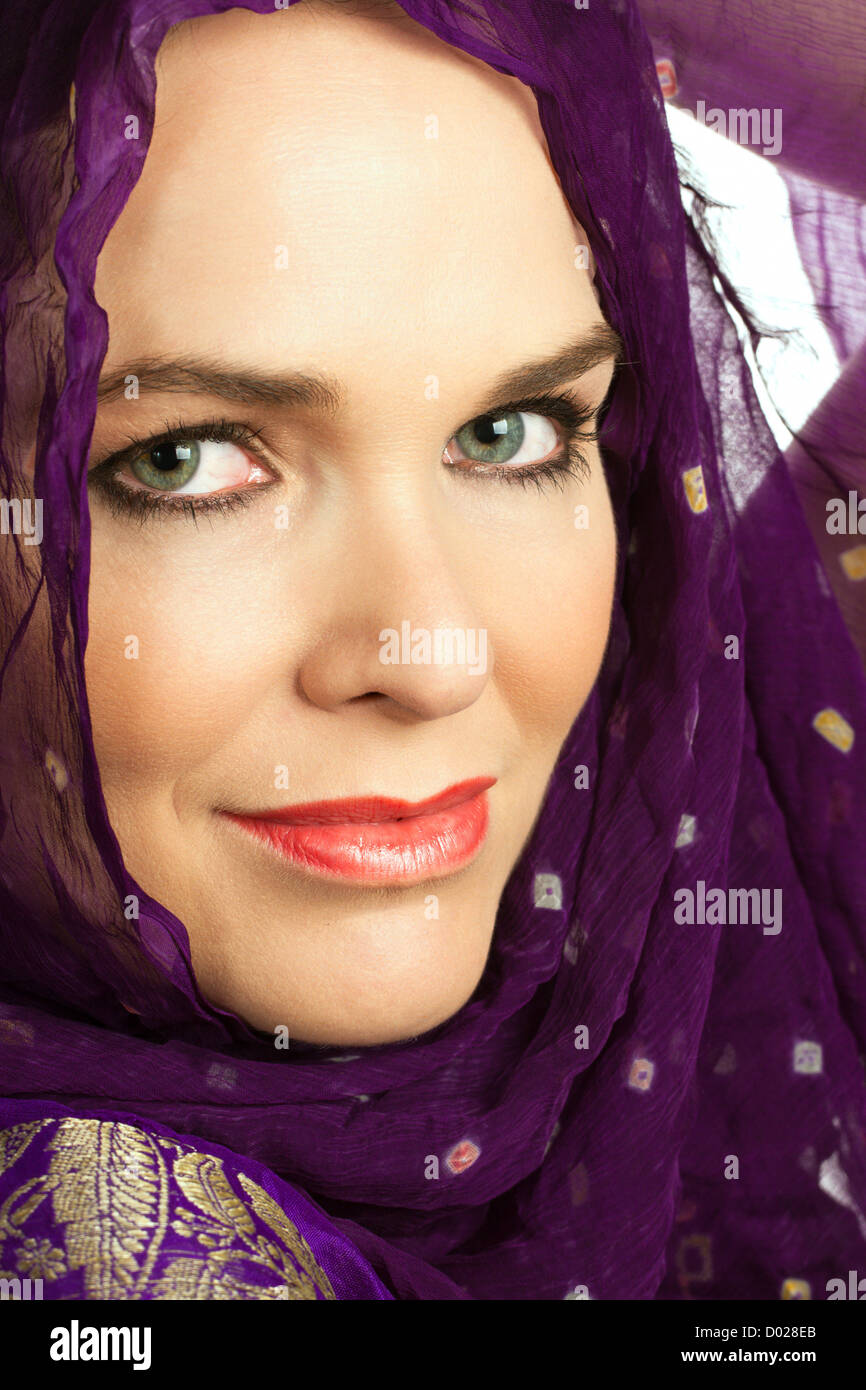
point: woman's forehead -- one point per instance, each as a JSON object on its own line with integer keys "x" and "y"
{"x": 313, "y": 179}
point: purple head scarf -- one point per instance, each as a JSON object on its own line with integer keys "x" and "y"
{"x": 632, "y": 1104}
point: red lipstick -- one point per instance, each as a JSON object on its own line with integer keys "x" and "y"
{"x": 378, "y": 839}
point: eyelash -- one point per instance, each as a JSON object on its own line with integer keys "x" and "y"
{"x": 563, "y": 407}
{"x": 571, "y": 414}
{"x": 125, "y": 501}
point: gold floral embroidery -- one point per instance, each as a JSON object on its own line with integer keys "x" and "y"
{"x": 39, "y": 1259}
{"x": 23, "y": 1200}
{"x": 114, "y": 1192}
{"x": 110, "y": 1193}
{"x": 14, "y": 1141}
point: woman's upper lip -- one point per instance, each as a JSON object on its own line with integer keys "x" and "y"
{"x": 359, "y": 809}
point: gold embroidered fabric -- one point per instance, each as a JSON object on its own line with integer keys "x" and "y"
{"x": 114, "y": 1212}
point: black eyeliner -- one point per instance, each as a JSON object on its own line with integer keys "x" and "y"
{"x": 569, "y": 411}
{"x": 123, "y": 501}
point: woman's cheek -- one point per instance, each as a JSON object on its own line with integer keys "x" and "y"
{"x": 553, "y": 619}
{"x": 171, "y": 669}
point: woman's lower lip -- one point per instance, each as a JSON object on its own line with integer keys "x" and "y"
{"x": 409, "y": 850}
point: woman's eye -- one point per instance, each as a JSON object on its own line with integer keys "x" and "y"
{"x": 519, "y": 437}
{"x": 191, "y": 467}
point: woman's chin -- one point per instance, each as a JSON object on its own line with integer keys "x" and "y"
{"x": 395, "y": 1012}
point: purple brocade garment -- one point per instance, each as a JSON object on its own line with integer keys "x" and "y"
{"x": 100, "y": 1207}
{"x": 631, "y": 1105}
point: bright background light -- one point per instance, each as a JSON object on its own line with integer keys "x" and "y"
{"x": 761, "y": 258}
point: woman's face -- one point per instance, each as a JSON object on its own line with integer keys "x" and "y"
{"x": 340, "y": 200}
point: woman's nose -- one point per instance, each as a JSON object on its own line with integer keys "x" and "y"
{"x": 399, "y": 623}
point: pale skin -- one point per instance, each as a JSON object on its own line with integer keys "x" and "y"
{"x": 409, "y": 258}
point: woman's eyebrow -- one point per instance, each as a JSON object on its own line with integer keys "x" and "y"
{"x": 209, "y": 377}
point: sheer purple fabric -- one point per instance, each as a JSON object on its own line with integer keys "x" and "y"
{"x": 705, "y": 1136}
{"x": 745, "y": 57}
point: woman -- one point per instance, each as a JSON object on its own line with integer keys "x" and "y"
{"x": 433, "y": 867}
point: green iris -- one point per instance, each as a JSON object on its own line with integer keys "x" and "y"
{"x": 167, "y": 466}
{"x": 497, "y": 439}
